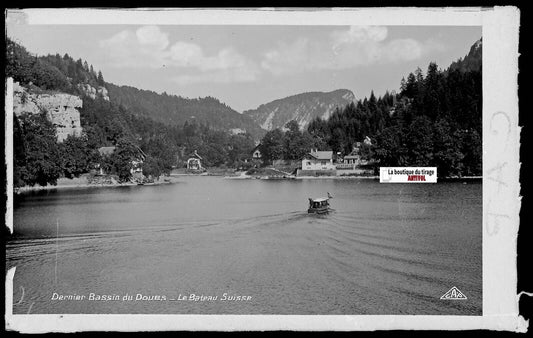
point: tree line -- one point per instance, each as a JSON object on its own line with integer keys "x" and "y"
{"x": 50, "y": 72}
{"x": 40, "y": 159}
{"x": 291, "y": 144}
{"x": 435, "y": 120}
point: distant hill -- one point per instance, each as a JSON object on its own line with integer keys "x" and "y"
{"x": 472, "y": 61}
{"x": 302, "y": 107}
{"x": 175, "y": 110}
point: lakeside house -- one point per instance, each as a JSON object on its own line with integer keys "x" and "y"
{"x": 353, "y": 159}
{"x": 326, "y": 163}
{"x": 354, "y": 163}
{"x": 254, "y": 158}
{"x": 318, "y": 160}
{"x": 256, "y": 152}
{"x": 194, "y": 162}
{"x": 136, "y": 162}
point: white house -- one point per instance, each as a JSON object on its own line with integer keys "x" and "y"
{"x": 256, "y": 153}
{"x": 194, "y": 162}
{"x": 352, "y": 159}
{"x": 318, "y": 160}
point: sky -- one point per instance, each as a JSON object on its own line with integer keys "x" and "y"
{"x": 246, "y": 66}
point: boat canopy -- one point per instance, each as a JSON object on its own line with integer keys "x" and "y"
{"x": 319, "y": 199}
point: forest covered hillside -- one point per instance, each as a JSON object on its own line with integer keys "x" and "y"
{"x": 435, "y": 120}
{"x": 175, "y": 110}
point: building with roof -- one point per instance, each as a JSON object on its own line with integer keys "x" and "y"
{"x": 318, "y": 160}
{"x": 106, "y": 151}
{"x": 354, "y": 159}
{"x": 194, "y": 162}
{"x": 256, "y": 152}
{"x": 136, "y": 163}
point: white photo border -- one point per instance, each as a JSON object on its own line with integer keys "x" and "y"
{"x": 501, "y": 201}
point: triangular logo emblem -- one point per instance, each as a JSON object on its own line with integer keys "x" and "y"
{"x": 453, "y": 293}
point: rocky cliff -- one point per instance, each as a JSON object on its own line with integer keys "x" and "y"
{"x": 92, "y": 92}
{"x": 60, "y": 109}
{"x": 302, "y": 107}
{"x": 472, "y": 61}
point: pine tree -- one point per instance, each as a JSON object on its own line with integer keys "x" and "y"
{"x": 100, "y": 79}
{"x": 403, "y": 85}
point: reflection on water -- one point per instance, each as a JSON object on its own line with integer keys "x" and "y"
{"x": 385, "y": 249}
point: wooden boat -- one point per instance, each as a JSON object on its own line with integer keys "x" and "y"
{"x": 318, "y": 205}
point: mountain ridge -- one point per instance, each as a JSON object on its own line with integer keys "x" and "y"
{"x": 177, "y": 110}
{"x": 303, "y": 108}
{"x": 471, "y": 61}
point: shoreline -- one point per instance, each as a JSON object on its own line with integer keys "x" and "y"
{"x": 377, "y": 177}
{"x": 68, "y": 186}
{"x": 82, "y": 186}
{"x": 236, "y": 177}
{"x": 258, "y": 177}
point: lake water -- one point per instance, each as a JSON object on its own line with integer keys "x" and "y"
{"x": 384, "y": 249}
